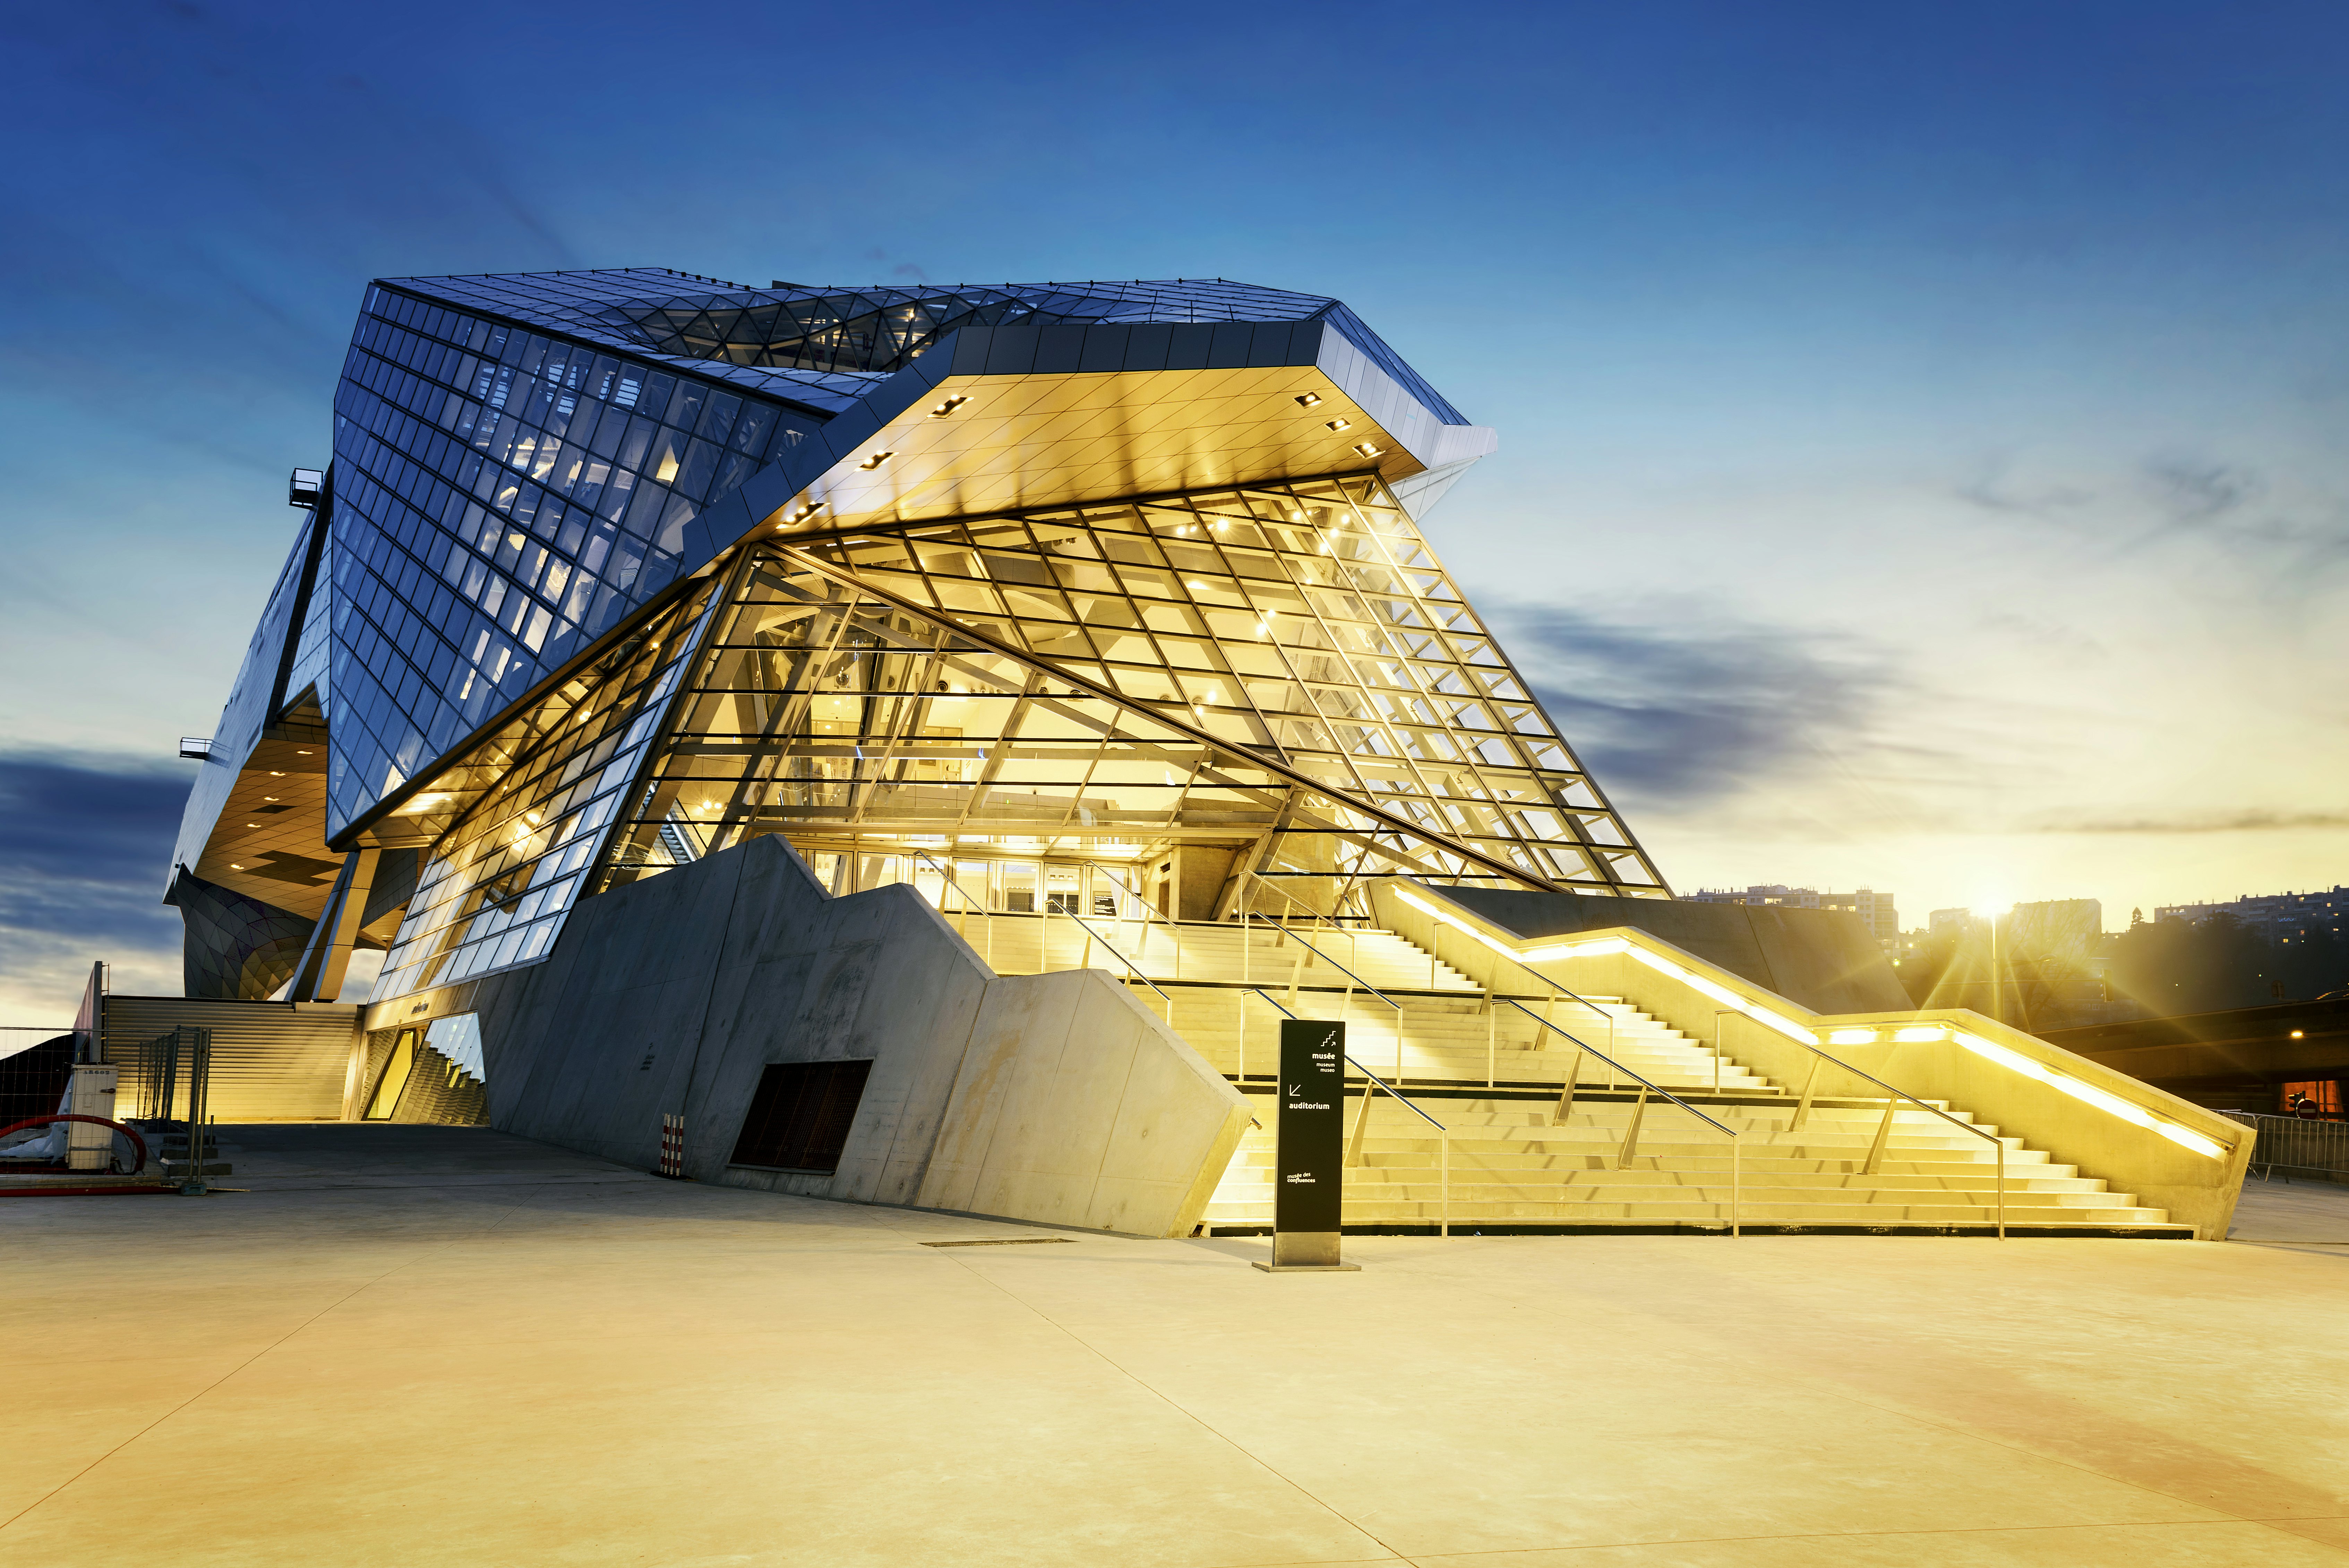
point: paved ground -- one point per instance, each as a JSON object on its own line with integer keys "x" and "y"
{"x": 423, "y": 1346}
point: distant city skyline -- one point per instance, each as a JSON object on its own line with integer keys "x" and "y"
{"x": 1919, "y": 458}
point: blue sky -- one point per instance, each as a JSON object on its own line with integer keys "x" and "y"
{"x": 1921, "y": 424}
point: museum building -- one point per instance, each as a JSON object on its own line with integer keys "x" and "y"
{"x": 914, "y": 744}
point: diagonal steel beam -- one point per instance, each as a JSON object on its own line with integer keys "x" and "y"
{"x": 1095, "y": 688}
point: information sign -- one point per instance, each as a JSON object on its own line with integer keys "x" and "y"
{"x": 1309, "y": 1168}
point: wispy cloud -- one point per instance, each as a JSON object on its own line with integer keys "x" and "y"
{"x": 1699, "y": 709}
{"x": 2175, "y": 499}
{"x": 85, "y": 843}
{"x": 2213, "y": 822}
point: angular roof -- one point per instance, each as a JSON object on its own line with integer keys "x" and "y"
{"x": 823, "y": 344}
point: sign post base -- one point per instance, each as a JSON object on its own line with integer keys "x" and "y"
{"x": 1306, "y": 1252}
{"x": 1309, "y": 1268}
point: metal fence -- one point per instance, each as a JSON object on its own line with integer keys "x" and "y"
{"x": 2297, "y": 1147}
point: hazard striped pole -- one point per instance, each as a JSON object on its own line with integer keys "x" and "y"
{"x": 672, "y": 1147}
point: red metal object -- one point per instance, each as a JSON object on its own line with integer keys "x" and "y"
{"x": 672, "y": 1148}
{"x": 131, "y": 1132}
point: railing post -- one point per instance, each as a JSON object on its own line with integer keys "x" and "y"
{"x": 1736, "y": 1180}
{"x": 1883, "y": 1132}
{"x": 1243, "y": 1006}
{"x": 1566, "y": 1098}
{"x": 1361, "y": 1123}
{"x": 1632, "y": 1134}
{"x": 1803, "y": 1109}
{"x": 2002, "y": 1190}
{"x": 1445, "y": 1135}
{"x": 1489, "y": 1080}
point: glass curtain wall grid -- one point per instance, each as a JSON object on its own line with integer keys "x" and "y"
{"x": 527, "y": 811}
{"x": 502, "y": 498}
{"x": 1311, "y": 624}
{"x": 1305, "y": 624}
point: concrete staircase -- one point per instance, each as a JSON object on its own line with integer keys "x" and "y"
{"x": 1511, "y": 1169}
{"x": 1493, "y": 1078}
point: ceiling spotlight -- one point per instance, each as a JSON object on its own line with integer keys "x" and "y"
{"x": 277, "y": 775}
{"x": 1367, "y": 449}
{"x": 234, "y": 867}
{"x": 1342, "y": 424}
{"x": 269, "y": 797}
{"x": 949, "y": 405}
{"x": 876, "y": 460}
{"x": 1310, "y": 400}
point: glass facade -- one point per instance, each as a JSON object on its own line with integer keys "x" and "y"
{"x": 1309, "y": 625}
{"x": 530, "y": 808}
{"x": 501, "y": 498}
{"x": 546, "y": 664}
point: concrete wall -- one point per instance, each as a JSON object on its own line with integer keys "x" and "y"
{"x": 1824, "y": 958}
{"x": 1055, "y": 1098}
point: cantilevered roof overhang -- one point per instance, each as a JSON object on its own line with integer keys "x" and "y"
{"x": 1022, "y": 416}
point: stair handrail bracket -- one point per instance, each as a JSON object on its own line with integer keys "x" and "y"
{"x": 2170, "y": 1153}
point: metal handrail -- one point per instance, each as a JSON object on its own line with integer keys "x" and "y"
{"x": 1802, "y": 1108}
{"x": 1247, "y": 918}
{"x": 946, "y": 874}
{"x": 1362, "y": 1122}
{"x": 1550, "y": 984}
{"x": 1631, "y": 1142}
{"x": 1884, "y": 1128}
{"x": 1045, "y": 913}
{"x": 1566, "y": 1100}
{"x": 1124, "y": 959}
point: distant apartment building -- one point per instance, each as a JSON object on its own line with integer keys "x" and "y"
{"x": 1875, "y": 909}
{"x": 2273, "y": 915}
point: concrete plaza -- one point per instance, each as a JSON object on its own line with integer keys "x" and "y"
{"x": 419, "y": 1344}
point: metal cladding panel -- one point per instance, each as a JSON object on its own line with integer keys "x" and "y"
{"x": 271, "y": 1061}
{"x": 246, "y": 712}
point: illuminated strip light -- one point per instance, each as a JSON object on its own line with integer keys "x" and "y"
{"x": 1610, "y": 947}
{"x": 2014, "y": 1060}
{"x": 2113, "y": 1105}
{"x": 1851, "y": 1037}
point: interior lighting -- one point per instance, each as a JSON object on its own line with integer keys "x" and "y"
{"x": 949, "y": 405}
{"x": 234, "y": 867}
{"x": 1342, "y": 424}
{"x": 2016, "y": 1062}
{"x": 269, "y": 797}
{"x": 876, "y": 460}
{"x": 1920, "y": 1031}
{"x": 1367, "y": 449}
{"x": 1851, "y": 1037}
{"x": 2299, "y": 1033}
{"x": 277, "y": 775}
{"x": 1309, "y": 400}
